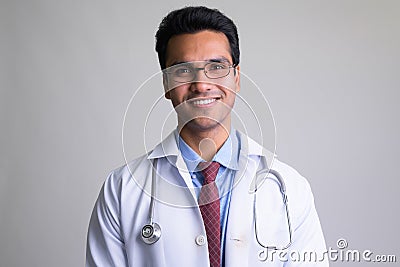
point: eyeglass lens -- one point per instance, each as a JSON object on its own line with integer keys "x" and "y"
{"x": 186, "y": 72}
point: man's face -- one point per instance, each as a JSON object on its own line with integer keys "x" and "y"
{"x": 202, "y": 103}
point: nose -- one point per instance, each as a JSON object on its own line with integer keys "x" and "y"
{"x": 200, "y": 82}
{"x": 200, "y": 87}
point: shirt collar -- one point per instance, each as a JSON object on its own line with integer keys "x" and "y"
{"x": 227, "y": 155}
{"x": 169, "y": 147}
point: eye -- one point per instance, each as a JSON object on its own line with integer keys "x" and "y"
{"x": 183, "y": 70}
{"x": 217, "y": 66}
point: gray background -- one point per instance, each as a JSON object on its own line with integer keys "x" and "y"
{"x": 330, "y": 70}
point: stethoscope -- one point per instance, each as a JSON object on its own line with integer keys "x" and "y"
{"x": 151, "y": 232}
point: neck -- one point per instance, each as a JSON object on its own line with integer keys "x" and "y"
{"x": 205, "y": 143}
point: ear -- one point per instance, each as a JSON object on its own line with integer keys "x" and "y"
{"x": 237, "y": 78}
{"x": 166, "y": 89}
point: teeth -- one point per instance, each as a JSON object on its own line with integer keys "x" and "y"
{"x": 203, "y": 102}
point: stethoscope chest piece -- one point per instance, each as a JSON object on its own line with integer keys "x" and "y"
{"x": 151, "y": 233}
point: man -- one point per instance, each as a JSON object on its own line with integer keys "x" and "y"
{"x": 191, "y": 201}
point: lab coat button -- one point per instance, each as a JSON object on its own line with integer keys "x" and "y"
{"x": 200, "y": 240}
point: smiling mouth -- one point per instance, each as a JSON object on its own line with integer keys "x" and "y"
{"x": 203, "y": 101}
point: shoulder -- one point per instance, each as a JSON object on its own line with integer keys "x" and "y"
{"x": 297, "y": 187}
{"x": 299, "y": 193}
{"x": 291, "y": 176}
{"x": 126, "y": 175}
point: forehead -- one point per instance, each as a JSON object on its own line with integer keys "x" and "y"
{"x": 204, "y": 45}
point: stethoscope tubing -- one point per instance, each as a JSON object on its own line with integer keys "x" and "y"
{"x": 151, "y": 232}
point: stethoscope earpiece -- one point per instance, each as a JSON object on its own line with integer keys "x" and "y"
{"x": 151, "y": 233}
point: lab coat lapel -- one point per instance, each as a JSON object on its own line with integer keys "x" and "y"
{"x": 169, "y": 148}
{"x": 240, "y": 215}
{"x": 240, "y": 239}
{"x": 182, "y": 168}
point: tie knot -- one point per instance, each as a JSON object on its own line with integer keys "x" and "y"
{"x": 209, "y": 171}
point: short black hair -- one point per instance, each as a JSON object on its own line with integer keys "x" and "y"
{"x": 194, "y": 19}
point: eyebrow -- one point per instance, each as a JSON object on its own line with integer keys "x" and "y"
{"x": 218, "y": 59}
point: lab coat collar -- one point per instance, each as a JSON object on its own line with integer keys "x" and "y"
{"x": 169, "y": 147}
{"x": 251, "y": 154}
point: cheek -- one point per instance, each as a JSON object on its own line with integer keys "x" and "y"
{"x": 231, "y": 98}
{"x": 178, "y": 95}
{"x": 230, "y": 95}
{"x": 176, "y": 88}
{"x": 230, "y": 89}
{"x": 229, "y": 84}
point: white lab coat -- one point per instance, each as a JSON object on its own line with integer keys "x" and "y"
{"x": 122, "y": 209}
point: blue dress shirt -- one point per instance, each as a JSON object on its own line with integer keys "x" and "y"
{"x": 228, "y": 157}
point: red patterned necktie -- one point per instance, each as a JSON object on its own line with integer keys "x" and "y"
{"x": 210, "y": 211}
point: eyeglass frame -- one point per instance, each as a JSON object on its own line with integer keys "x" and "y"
{"x": 195, "y": 70}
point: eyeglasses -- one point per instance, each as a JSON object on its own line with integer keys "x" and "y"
{"x": 186, "y": 72}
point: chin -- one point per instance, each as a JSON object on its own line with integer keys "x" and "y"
{"x": 204, "y": 124}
